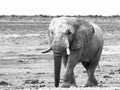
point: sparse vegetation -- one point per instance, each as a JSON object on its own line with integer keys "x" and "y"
{"x": 22, "y": 65}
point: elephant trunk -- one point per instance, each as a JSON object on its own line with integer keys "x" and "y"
{"x": 57, "y": 51}
{"x": 58, "y": 47}
{"x": 57, "y": 68}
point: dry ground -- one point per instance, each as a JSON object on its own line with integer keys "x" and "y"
{"x": 23, "y": 66}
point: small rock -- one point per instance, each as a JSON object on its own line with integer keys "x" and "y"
{"x": 42, "y": 85}
{"x": 112, "y": 73}
{"x": 41, "y": 73}
{"x": 20, "y": 61}
{"x": 42, "y": 82}
{"x": 28, "y": 72}
{"x": 106, "y": 76}
{"x": 101, "y": 81}
{"x": 4, "y": 83}
{"x": 31, "y": 81}
{"x": 118, "y": 70}
{"x": 100, "y": 85}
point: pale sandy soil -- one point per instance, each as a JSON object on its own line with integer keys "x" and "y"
{"x": 23, "y": 66}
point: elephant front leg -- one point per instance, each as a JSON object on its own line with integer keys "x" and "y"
{"x": 73, "y": 83}
{"x": 65, "y": 59}
{"x": 69, "y": 79}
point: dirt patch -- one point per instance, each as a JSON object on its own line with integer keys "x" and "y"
{"x": 23, "y": 66}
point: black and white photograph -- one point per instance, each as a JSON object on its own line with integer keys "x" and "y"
{"x": 59, "y": 45}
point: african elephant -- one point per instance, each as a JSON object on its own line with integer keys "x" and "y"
{"x": 75, "y": 40}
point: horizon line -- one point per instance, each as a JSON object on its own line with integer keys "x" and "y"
{"x": 61, "y": 15}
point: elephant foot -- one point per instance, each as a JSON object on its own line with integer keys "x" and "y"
{"x": 68, "y": 85}
{"x": 91, "y": 84}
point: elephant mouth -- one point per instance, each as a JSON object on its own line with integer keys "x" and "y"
{"x": 55, "y": 49}
{"x": 60, "y": 50}
{"x": 60, "y": 47}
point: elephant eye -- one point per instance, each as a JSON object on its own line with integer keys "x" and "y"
{"x": 52, "y": 32}
{"x": 69, "y": 32}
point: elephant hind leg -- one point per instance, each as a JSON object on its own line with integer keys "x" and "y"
{"x": 90, "y": 68}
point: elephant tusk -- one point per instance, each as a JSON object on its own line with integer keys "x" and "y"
{"x": 48, "y": 50}
{"x": 68, "y": 51}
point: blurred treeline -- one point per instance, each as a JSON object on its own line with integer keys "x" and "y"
{"x": 47, "y": 18}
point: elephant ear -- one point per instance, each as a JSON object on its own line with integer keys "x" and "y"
{"x": 51, "y": 31}
{"x": 84, "y": 32}
{"x": 50, "y": 38}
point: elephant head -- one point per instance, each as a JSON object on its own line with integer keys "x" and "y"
{"x": 67, "y": 34}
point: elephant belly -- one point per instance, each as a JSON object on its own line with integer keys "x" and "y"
{"x": 89, "y": 53}
{"x": 91, "y": 50}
